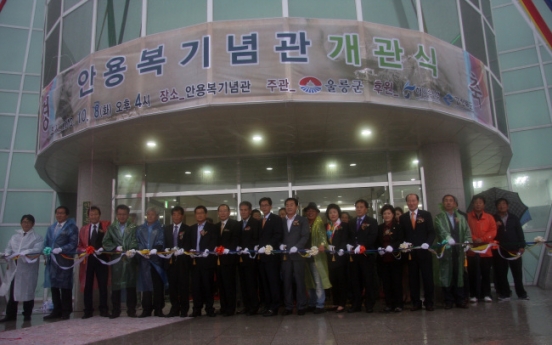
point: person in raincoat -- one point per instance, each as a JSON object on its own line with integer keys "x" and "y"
{"x": 316, "y": 269}
{"x": 151, "y": 276}
{"x": 61, "y": 239}
{"x": 453, "y": 228}
{"x": 121, "y": 237}
{"x": 22, "y": 273}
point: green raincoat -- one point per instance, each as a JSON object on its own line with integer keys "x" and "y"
{"x": 318, "y": 237}
{"x": 123, "y": 273}
{"x": 443, "y": 230}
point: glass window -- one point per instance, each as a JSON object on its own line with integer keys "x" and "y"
{"x": 519, "y": 58}
{"x": 527, "y": 147}
{"x": 54, "y": 11}
{"x": 312, "y": 169}
{"x": 6, "y": 130}
{"x": 278, "y": 199}
{"x": 473, "y": 32}
{"x": 475, "y": 3}
{"x": 8, "y": 102}
{"x": 482, "y": 183}
{"x": 404, "y": 166}
{"x": 399, "y": 13}
{"x": 246, "y": 9}
{"x": 500, "y": 112}
{"x": 31, "y": 83}
{"x": 67, "y": 4}
{"x": 129, "y": 179}
{"x": 527, "y": 109}
{"x": 491, "y": 50}
{"x": 34, "y": 59}
{"x": 486, "y": 7}
{"x": 164, "y": 15}
{"x": 512, "y": 28}
{"x": 50, "y": 57}
{"x": 19, "y": 12}
{"x": 75, "y": 43}
{"x": 10, "y": 81}
{"x": 535, "y": 190}
{"x": 328, "y": 9}
{"x": 23, "y": 173}
{"x": 263, "y": 172}
{"x": 544, "y": 54}
{"x": 29, "y": 104}
{"x": 118, "y": 21}
{"x": 25, "y": 137}
{"x": 4, "y": 156}
{"x": 39, "y": 204}
{"x": 522, "y": 79}
{"x": 11, "y": 59}
{"x": 400, "y": 193}
{"x": 441, "y": 20}
{"x": 548, "y": 74}
{"x": 39, "y": 15}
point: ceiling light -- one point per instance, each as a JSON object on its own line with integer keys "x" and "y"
{"x": 352, "y": 164}
{"x": 174, "y": 199}
{"x": 188, "y": 172}
{"x": 477, "y": 184}
{"x": 257, "y": 138}
{"x": 521, "y": 180}
{"x": 128, "y": 175}
{"x": 151, "y": 144}
{"x": 412, "y": 179}
{"x": 415, "y": 161}
{"x": 339, "y": 196}
{"x": 366, "y": 132}
{"x": 207, "y": 171}
{"x": 332, "y": 165}
{"x": 269, "y": 168}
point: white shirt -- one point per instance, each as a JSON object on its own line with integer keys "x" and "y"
{"x": 199, "y": 228}
{"x": 289, "y": 222}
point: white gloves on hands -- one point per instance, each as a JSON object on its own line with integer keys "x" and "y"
{"x": 131, "y": 253}
{"x": 99, "y": 251}
{"x": 389, "y": 249}
{"x": 245, "y": 251}
{"x": 119, "y": 249}
{"x": 283, "y": 247}
{"x": 381, "y": 251}
{"x": 340, "y": 252}
{"x": 451, "y": 241}
{"x": 349, "y": 247}
{"x": 293, "y": 250}
{"x": 226, "y": 251}
{"x": 357, "y": 249}
{"x": 425, "y": 246}
{"x": 205, "y": 253}
{"x": 466, "y": 246}
{"x": 179, "y": 252}
{"x": 331, "y": 248}
{"x": 56, "y": 250}
{"x": 256, "y": 248}
{"x": 153, "y": 252}
{"x": 261, "y": 250}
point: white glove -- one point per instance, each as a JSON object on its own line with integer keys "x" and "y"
{"x": 167, "y": 249}
{"x": 293, "y": 250}
{"x": 256, "y": 248}
{"x": 389, "y": 249}
{"x": 99, "y": 251}
{"x": 245, "y": 251}
{"x": 357, "y": 249}
{"x": 238, "y": 248}
{"x": 381, "y": 251}
{"x": 331, "y": 248}
{"x": 349, "y": 247}
{"x": 119, "y": 249}
{"x": 205, "y": 253}
{"x": 466, "y": 246}
{"x": 131, "y": 253}
{"x": 451, "y": 241}
{"x": 283, "y": 247}
{"x": 262, "y": 250}
{"x": 56, "y": 250}
{"x": 340, "y": 252}
{"x": 153, "y": 252}
{"x": 178, "y": 252}
{"x": 226, "y": 251}
{"x": 425, "y": 246}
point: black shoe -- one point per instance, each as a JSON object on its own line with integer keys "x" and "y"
{"x": 340, "y": 310}
{"x": 310, "y": 309}
{"x": 229, "y": 314}
{"x": 211, "y": 314}
{"x": 105, "y": 314}
{"x": 369, "y": 310}
{"x": 287, "y": 312}
{"x": 173, "y": 313}
{"x": 87, "y": 316}
{"x": 269, "y": 313}
{"x": 353, "y": 310}
{"x": 301, "y": 312}
{"x": 27, "y": 318}
{"x": 196, "y": 313}
{"x": 398, "y": 310}
{"x": 243, "y": 311}
{"x": 52, "y": 316}
{"x": 386, "y": 310}
{"x": 159, "y": 313}
{"x": 66, "y": 317}
{"x": 251, "y": 313}
{"x": 116, "y": 315}
{"x": 184, "y": 313}
{"x": 144, "y": 314}
{"x": 263, "y": 311}
{"x": 448, "y": 305}
{"x": 462, "y": 305}
{"x": 11, "y": 318}
{"x": 319, "y": 311}
{"x": 132, "y": 314}
{"x": 416, "y": 308}
{"x": 430, "y": 308}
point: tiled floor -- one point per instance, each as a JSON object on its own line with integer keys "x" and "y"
{"x": 514, "y": 322}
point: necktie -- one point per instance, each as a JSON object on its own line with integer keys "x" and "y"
{"x": 359, "y": 222}
{"x": 93, "y": 236}
{"x": 413, "y": 219}
{"x": 264, "y": 221}
{"x": 221, "y": 227}
{"x": 243, "y": 225}
{"x": 175, "y": 235}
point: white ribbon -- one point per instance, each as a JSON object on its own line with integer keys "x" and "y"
{"x": 77, "y": 262}
{"x": 112, "y": 262}
{"x": 483, "y": 251}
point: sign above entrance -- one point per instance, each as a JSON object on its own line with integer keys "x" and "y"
{"x": 268, "y": 60}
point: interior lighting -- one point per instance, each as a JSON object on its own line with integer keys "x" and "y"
{"x": 352, "y": 164}
{"x": 188, "y": 172}
{"x": 151, "y": 144}
{"x": 366, "y": 132}
{"x": 257, "y": 138}
{"x": 477, "y": 184}
{"x": 128, "y": 175}
{"x": 332, "y": 165}
{"x": 521, "y": 180}
{"x": 415, "y": 161}
{"x": 269, "y": 168}
{"x": 207, "y": 171}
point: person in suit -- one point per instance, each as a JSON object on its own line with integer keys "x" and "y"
{"x": 418, "y": 230}
{"x": 337, "y": 234}
{"x": 178, "y": 267}
{"x": 363, "y": 231}
{"x": 61, "y": 237}
{"x": 202, "y": 239}
{"x": 248, "y": 240}
{"x": 390, "y": 236}
{"x": 152, "y": 276}
{"x": 269, "y": 265}
{"x": 296, "y": 235}
{"x": 92, "y": 235}
{"x": 512, "y": 240}
{"x": 121, "y": 237}
{"x": 226, "y": 264}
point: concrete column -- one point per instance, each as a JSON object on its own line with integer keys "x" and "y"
{"x": 443, "y": 174}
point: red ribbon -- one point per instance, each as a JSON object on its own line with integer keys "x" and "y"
{"x": 90, "y": 250}
{"x": 362, "y": 249}
{"x": 219, "y": 250}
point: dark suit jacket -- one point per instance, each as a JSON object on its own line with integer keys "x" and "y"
{"x": 229, "y": 239}
{"x": 397, "y": 237}
{"x": 424, "y": 231}
{"x": 511, "y": 236}
{"x": 296, "y": 236}
{"x": 183, "y": 231}
{"x": 208, "y": 241}
{"x": 367, "y": 234}
{"x": 340, "y": 240}
{"x": 249, "y": 238}
{"x": 271, "y": 234}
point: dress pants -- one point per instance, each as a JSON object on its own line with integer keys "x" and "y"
{"x": 63, "y": 301}
{"x": 158, "y": 294}
{"x": 249, "y": 285}
{"x": 294, "y": 271}
{"x": 501, "y": 273}
{"x": 226, "y": 281}
{"x": 338, "y": 278}
{"x": 95, "y": 268}
{"x": 391, "y": 277}
{"x": 479, "y": 272}
{"x": 203, "y": 281}
{"x": 421, "y": 262}
{"x": 269, "y": 274}
{"x": 11, "y": 308}
{"x": 362, "y": 272}
{"x": 131, "y": 301}
{"x": 179, "y": 285}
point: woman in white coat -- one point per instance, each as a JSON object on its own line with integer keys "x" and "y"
{"x": 22, "y": 273}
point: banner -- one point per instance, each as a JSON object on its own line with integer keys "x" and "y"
{"x": 265, "y": 60}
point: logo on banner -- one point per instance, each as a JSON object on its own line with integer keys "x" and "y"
{"x": 310, "y": 85}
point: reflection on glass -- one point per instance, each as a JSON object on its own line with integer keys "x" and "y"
{"x": 117, "y": 21}
{"x": 500, "y": 112}
{"x": 54, "y": 11}
{"x": 473, "y": 32}
{"x": 328, "y": 9}
{"x": 263, "y": 172}
{"x": 135, "y": 206}
{"x": 277, "y": 198}
{"x": 246, "y": 9}
{"x": 50, "y": 57}
{"x": 491, "y": 49}
{"x": 129, "y": 179}
{"x": 441, "y": 20}
{"x": 399, "y": 13}
{"x": 535, "y": 190}
{"x": 164, "y": 15}
{"x": 76, "y": 36}
{"x": 404, "y": 166}
{"x": 400, "y": 193}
